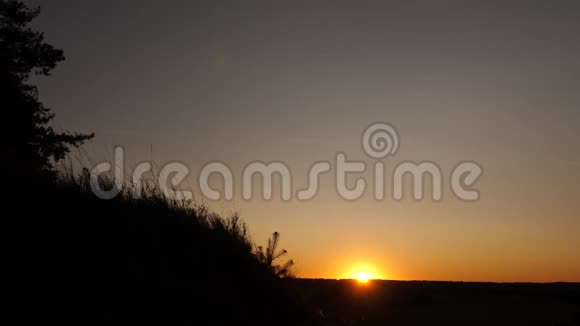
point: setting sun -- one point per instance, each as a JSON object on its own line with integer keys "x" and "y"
{"x": 363, "y": 277}
{"x": 363, "y": 272}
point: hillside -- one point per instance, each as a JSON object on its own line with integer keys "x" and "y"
{"x": 147, "y": 261}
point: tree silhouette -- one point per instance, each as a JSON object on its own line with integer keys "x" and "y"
{"x": 31, "y": 143}
{"x": 270, "y": 255}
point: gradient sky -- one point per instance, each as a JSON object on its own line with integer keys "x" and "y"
{"x": 496, "y": 83}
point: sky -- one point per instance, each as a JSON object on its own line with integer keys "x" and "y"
{"x": 494, "y": 83}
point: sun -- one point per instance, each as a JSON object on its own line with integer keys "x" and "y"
{"x": 363, "y": 272}
{"x": 363, "y": 277}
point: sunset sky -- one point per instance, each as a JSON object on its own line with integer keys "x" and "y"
{"x": 241, "y": 81}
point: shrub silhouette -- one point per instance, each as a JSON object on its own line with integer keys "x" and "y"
{"x": 270, "y": 255}
{"x": 32, "y": 143}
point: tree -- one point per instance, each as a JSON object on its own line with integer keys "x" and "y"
{"x": 31, "y": 143}
{"x": 271, "y": 255}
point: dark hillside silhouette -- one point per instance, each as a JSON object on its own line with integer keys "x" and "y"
{"x": 146, "y": 261}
